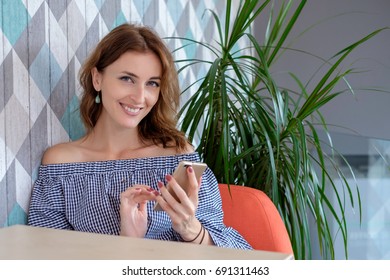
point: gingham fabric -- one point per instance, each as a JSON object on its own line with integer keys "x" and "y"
{"x": 85, "y": 197}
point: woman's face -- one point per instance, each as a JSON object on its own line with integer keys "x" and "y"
{"x": 130, "y": 87}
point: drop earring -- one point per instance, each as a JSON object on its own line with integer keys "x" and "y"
{"x": 97, "y": 98}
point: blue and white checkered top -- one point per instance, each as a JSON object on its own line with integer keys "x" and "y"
{"x": 84, "y": 196}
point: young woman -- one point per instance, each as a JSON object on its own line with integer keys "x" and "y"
{"x": 109, "y": 180}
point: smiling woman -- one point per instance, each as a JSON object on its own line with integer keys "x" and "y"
{"x": 127, "y": 84}
{"x": 109, "y": 180}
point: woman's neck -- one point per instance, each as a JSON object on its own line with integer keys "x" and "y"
{"x": 113, "y": 140}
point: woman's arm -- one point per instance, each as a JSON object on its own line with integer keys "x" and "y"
{"x": 47, "y": 204}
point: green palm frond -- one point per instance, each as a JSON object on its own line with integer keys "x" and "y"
{"x": 251, "y": 131}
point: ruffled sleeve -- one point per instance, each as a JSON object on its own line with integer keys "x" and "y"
{"x": 47, "y": 204}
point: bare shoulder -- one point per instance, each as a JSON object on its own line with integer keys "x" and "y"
{"x": 158, "y": 150}
{"x": 60, "y": 153}
{"x": 188, "y": 149}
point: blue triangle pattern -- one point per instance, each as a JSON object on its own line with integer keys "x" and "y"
{"x": 71, "y": 120}
{"x": 99, "y": 3}
{"x": 173, "y": 7}
{"x": 190, "y": 49}
{"x": 44, "y": 67}
{"x": 139, "y": 5}
{"x": 119, "y": 19}
{"x": 14, "y": 19}
{"x": 16, "y": 216}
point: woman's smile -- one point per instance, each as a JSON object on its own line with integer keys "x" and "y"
{"x": 133, "y": 111}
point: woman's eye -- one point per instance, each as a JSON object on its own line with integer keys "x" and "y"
{"x": 127, "y": 79}
{"x": 153, "y": 84}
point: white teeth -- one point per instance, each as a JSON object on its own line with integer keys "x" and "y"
{"x": 131, "y": 110}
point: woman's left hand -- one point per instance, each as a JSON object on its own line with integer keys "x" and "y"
{"x": 182, "y": 212}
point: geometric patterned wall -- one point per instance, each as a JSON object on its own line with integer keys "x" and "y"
{"x": 42, "y": 44}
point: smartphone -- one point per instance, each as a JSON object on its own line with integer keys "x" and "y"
{"x": 181, "y": 178}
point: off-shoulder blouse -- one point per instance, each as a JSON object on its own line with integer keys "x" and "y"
{"x": 84, "y": 196}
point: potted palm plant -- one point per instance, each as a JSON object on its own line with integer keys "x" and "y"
{"x": 252, "y": 132}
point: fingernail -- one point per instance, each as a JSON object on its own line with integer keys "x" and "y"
{"x": 150, "y": 190}
{"x": 137, "y": 189}
{"x": 190, "y": 169}
{"x": 168, "y": 177}
{"x": 160, "y": 184}
{"x": 156, "y": 193}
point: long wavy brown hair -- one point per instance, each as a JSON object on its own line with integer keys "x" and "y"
{"x": 160, "y": 124}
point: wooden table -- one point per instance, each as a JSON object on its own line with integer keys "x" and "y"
{"x": 21, "y": 242}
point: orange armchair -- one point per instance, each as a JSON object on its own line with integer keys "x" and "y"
{"x": 252, "y": 213}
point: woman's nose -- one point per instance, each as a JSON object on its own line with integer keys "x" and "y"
{"x": 138, "y": 94}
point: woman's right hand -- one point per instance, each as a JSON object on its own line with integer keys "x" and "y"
{"x": 133, "y": 210}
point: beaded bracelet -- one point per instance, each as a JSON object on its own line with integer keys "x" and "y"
{"x": 201, "y": 229}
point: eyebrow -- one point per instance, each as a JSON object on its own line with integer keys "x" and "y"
{"x": 136, "y": 76}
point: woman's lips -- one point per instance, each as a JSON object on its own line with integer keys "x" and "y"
{"x": 131, "y": 110}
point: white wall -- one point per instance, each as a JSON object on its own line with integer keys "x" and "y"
{"x": 367, "y": 113}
